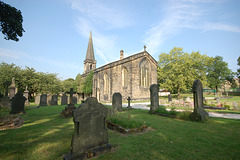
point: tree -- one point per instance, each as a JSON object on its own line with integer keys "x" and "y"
{"x": 178, "y": 70}
{"x": 88, "y": 84}
{"x": 11, "y": 22}
{"x": 238, "y": 70}
{"x": 80, "y": 83}
{"x": 69, "y": 83}
{"x": 218, "y": 72}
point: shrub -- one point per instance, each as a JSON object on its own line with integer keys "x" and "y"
{"x": 185, "y": 115}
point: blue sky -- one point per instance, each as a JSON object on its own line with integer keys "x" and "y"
{"x": 57, "y": 31}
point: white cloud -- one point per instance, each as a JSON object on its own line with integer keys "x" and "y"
{"x": 11, "y": 53}
{"x": 180, "y": 15}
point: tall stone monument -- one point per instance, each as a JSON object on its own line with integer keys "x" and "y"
{"x": 25, "y": 93}
{"x": 199, "y": 112}
{"x": 117, "y": 101}
{"x": 154, "y": 97}
{"x": 12, "y": 89}
{"x": 90, "y": 133}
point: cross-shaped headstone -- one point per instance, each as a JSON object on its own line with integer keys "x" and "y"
{"x": 71, "y": 97}
{"x": 129, "y": 99}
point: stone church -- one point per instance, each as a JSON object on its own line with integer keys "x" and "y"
{"x": 130, "y": 76}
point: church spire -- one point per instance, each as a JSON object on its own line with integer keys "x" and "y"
{"x": 90, "y": 52}
{"x": 90, "y": 62}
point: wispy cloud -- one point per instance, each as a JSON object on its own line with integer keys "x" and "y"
{"x": 180, "y": 15}
{"x": 11, "y": 53}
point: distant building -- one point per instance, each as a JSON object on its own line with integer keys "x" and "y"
{"x": 131, "y": 76}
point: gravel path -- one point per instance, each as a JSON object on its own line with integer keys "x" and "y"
{"x": 211, "y": 114}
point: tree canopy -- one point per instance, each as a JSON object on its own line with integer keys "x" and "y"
{"x": 88, "y": 84}
{"x": 11, "y": 22}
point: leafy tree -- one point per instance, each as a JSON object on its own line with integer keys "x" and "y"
{"x": 218, "y": 72}
{"x": 178, "y": 70}
{"x": 7, "y": 72}
{"x": 11, "y": 22}
{"x": 238, "y": 71}
{"x": 69, "y": 83}
{"x": 88, "y": 84}
{"x": 79, "y": 83}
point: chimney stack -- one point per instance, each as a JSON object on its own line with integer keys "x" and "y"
{"x": 121, "y": 54}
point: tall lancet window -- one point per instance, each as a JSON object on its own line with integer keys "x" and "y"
{"x": 105, "y": 83}
{"x": 144, "y": 73}
{"x": 124, "y": 77}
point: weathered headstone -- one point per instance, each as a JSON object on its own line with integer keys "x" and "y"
{"x": 12, "y": 89}
{"x": 49, "y": 99}
{"x": 43, "y": 100}
{"x": 54, "y": 100}
{"x": 18, "y": 102}
{"x": 169, "y": 98}
{"x": 129, "y": 99}
{"x": 90, "y": 133}
{"x": 199, "y": 112}
{"x": 235, "y": 107}
{"x": 5, "y": 102}
{"x": 67, "y": 112}
{"x": 154, "y": 97}
{"x": 117, "y": 101}
{"x": 37, "y": 99}
{"x": 25, "y": 93}
{"x": 74, "y": 99}
{"x": 64, "y": 99}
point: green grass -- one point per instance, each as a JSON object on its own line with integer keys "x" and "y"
{"x": 45, "y": 135}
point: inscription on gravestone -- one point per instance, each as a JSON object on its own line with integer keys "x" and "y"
{"x": 90, "y": 132}
{"x": 154, "y": 97}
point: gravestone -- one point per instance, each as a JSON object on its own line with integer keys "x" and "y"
{"x": 54, "y": 100}
{"x": 74, "y": 99}
{"x": 117, "y": 101}
{"x": 37, "y": 99}
{"x": 199, "y": 112}
{"x": 25, "y": 93}
{"x": 235, "y": 107}
{"x": 43, "y": 100}
{"x": 18, "y": 102}
{"x": 5, "y": 102}
{"x": 90, "y": 132}
{"x": 169, "y": 98}
{"x": 67, "y": 112}
{"x": 154, "y": 97}
{"x": 129, "y": 99}
{"x": 49, "y": 99}
{"x": 12, "y": 89}
{"x": 64, "y": 99}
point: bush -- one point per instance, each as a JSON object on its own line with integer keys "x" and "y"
{"x": 185, "y": 115}
{"x": 127, "y": 123}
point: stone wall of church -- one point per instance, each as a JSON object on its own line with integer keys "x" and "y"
{"x": 110, "y": 79}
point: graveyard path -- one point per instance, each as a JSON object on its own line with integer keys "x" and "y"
{"x": 144, "y": 105}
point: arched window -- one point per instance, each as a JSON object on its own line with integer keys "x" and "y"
{"x": 124, "y": 77}
{"x": 105, "y": 83}
{"x": 144, "y": 73}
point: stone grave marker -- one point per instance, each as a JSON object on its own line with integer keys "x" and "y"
{"x": 37, "y": 99}
{"x": 12, "y": 89}
{"x": 74, "y": 99}
{"x": 25, "y": 93}
{"x": 235, "y": 107}
{"x": 129, "y": 100}
{"x": 117, "y": 101}
{"x": 64, "y": 99}
{"x": 54, "y": 100}
{"x": 49, "y": 99}
{"x": 90, "y": 132}
{"x": 154, "y": 97}
{"x": 43, "y": 100}
{"x": 169, "y": 98}
{"x": 18, "y": 102}
{"x": 199, "y": 112}
{"x": 67, "y": 112}
{"x": 5, "y": 102}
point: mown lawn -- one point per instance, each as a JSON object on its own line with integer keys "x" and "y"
{"x": 45, "y": 135}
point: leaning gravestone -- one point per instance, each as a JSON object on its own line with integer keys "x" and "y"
{"x": 117, "y": 101}
{"x": 43, "y": 100}
{"x": 154, "y": 97}
{"x": 18, "y": 102}
{"x": 90, "y": 133}
{"x": 199, "y": 112}
{"x": 64, "y": 100}
{"x": 54, "y": 100}
{"x": 37, "y": 99}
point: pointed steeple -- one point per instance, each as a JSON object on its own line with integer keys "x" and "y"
{"x": 90, "y": 62}
{"x": 90, "y": 52}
